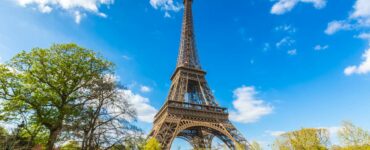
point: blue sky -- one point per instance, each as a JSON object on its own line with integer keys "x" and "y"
{"x": 285, "y": 64}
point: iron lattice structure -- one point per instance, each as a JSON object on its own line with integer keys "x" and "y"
{"x": 191, "y": 111}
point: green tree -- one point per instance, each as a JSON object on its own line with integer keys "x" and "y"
{"x": 152, "y": 144}
{"x": 240, "y": 146}
{"x": 104, "y": 121}
{"x": 134, "y": 142}
{"x": 351, "y": 135}
{"x": 256, "y": 146}
{"x": 36, "y": 134}
{"x": 49, "y": 84}
{"x": 3, "y": 136}
{"x": 304, "y": 139}
{"x": 362, "y": 147}
{"x": 3, "y": 132}
{"x": 71, "y": 145}
{"x": 353, "y": 138}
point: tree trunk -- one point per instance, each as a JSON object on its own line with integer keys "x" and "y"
{"x": 91, "y": 140}
{"x": 53, "y": 136}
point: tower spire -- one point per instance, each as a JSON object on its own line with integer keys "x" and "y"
{"x": 188, "y": 56}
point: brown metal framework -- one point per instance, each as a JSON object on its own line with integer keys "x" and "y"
{"x": 191, "y": 111}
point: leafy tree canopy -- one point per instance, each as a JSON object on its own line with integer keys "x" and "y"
{"x": 48, "y": 86}
{"x": 152, "y": 144}
{"x": 304, "y": 139}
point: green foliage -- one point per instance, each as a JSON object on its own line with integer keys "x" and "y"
{"x": 256, "y": 146}
{"x": 353, "y": 138}
{"x": 363, "y": 147}
{"x": 350, "y": 135}
{"x": 152, "y": 144}
{"x": 35, "y": 133}
{"x": 304, "y": 139}
{"x": 240, "y": 146}
{"x": 118, "y": 147}
{"x": 3, "y": 132}
{"x": 49, "y": 85}
{"x": 3, "y": 136}
{"x": 135, "y": 143}
{"x": 71, "y": 145}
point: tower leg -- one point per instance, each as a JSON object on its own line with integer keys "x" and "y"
{"x": 165, "y": 134}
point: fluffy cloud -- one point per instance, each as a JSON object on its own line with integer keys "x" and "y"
{"x": 336, "y": 26}
{"x": 361, "y": 12}
{"x": 321, "y": 47}
{"x": 145, "y": 89}
{"x": 364, "y": 36}
{"x": 78, "y": 8}
{"x": 275, "y": 133}
{"x": 292, "y": 52}
{"x": 286, "y": 28}
{"x": 166, "y": 5}
{"x": 283, "y": 6}
{"x": 145, "y": 111}
{"x": 363, "y": 68}
{"x": 332, "y": 130}
{"x": 126, "y": 57}
{"x": 358, "y": 18}
{"x": 247, "y": 107}
{"x": 288, "y": 41}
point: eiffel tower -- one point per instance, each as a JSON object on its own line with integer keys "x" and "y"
{"x": 191, "y": 111}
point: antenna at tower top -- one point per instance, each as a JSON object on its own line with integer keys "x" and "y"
{"x": 188, "y": 56}
{"x": 188, "y": 0}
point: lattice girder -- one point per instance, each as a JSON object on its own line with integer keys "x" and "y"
{"x": 197, "y": 133}
{"x": 190, "y": 85}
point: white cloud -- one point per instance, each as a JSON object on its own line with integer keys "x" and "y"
{"x": 78, "y": 17}
{"x": 145, "y": 89}
{"x": 283, "y": 6}
{"x": 361, "y": 12}
{"x": 45, "y": 9}
{"x": 336, "y": 26}
{"x": 292, "y": 52}
{"x": 77, "y": 8}
{"x": 363, "y": 68}
{"x": 364, "y": 36}
{"x": 321, "y": 47}
{"x": 167, "y": 15}
{"x": 358, "y": 18}
{"x": 166, "y": 5}
{"x": 145, "y": 111}
{"x": 318, "y": 4}
{"x": 275, "y": 133}
{"x": 125, "y": 57}
{"x": 247, "y": 107}
{"x": 286, "y": 28}
{"x": 285, "y": 41}
{"x": 333, "y": 130}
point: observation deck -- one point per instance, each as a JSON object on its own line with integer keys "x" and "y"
{"x": 192, "y": 110}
